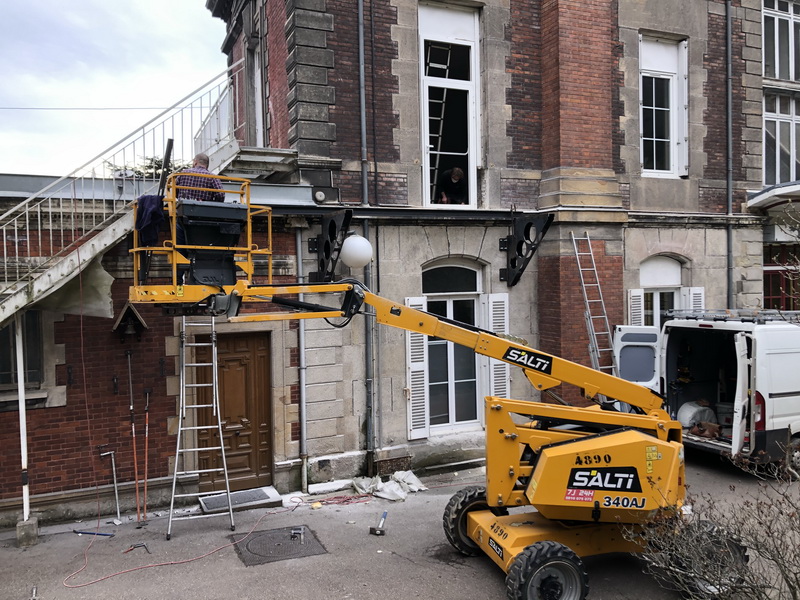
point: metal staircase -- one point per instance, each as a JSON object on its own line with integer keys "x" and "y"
{"x": 601, "y": 346}
{"x": 199, "y": 422}
{"x": 52, "y": 235}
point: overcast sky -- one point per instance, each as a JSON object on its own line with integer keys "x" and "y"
{"x": 98, "y": 54}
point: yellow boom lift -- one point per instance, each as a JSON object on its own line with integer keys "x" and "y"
{"x": 562, "y": 482}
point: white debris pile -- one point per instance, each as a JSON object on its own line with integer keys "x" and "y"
{"x": 396, "y": 488}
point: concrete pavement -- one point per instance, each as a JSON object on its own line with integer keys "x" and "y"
{"x": 413, "y": 559}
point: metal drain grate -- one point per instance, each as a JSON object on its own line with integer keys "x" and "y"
{"x": 278, "y": 544}
{"x": 243, "y": 499}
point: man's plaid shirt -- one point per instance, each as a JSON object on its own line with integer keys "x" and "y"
{"x": 199, "y": 182}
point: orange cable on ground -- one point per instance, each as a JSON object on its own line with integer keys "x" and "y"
{"x": 162, "y": 564}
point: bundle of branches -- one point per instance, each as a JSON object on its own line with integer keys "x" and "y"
{"x": 742, "y": 545}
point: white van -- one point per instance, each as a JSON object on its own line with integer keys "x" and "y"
{"x": 737, "y": 374}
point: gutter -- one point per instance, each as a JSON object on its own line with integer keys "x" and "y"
{"x": 369, "y": 358}
{"x": 729, "y": 146}
{"x": 302, "y": 367}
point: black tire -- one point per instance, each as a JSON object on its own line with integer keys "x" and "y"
{"x": 454, "y": 519}
{"x": 547, "y": 571}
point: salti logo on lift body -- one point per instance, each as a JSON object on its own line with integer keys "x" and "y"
{"x": 617, "y": 479}
{"x": 529, "y": 359}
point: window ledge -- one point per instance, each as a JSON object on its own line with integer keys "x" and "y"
{"x": 661, "y": 175}
{"x": 43, "y": 398}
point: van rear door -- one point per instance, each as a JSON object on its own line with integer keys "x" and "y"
{"x": 636, "y": 349}
{"x": 776, "y": 353}
{"x": 741, "y": 397}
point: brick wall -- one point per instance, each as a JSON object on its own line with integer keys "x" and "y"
{"x": 383, "y": 188}
{"x": 380, "y": 82}
{"x": 577, "y": 65}
{"x": 562, "y": 327}
{"x": 277, "y": 107}
{"x": 62, "y": 441}
{"x": 714, "y": 116}
{"x": 520, "y": 193}
{"x": 524, "y": 95}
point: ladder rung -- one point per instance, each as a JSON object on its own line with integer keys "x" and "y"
{"x": 196, "y": 494}
{"x": 198, "y": 385}
{"x": 198, "y": 344}
{"x": 200, "y": 449}
{"x": 198, "y": 472}
{"x": 199, "y": 516}
{"x": 198, "y": 406}
{"x": 198, "y": 427}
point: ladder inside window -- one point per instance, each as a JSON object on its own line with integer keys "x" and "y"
{"x": 198, "y": 400}
{"x": 437, "y": 62}
{"x": 601, "y": 349}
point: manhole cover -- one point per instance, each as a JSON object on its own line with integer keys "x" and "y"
{"x": 278, "y": 544}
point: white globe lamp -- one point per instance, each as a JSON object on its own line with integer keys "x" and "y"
{"x": 356, "y": 251}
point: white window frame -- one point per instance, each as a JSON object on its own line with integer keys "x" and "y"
{"x": 45, "y": 393}
{"x": 775, "y": 14}
{"x": 454, "y": 426}
{"x": 686, "y": 298}
{"x": 452, "y": 25}
{"x": 493, "y": 376}
{"x": 667, "y": 59}
{"x": 782, "y": 110}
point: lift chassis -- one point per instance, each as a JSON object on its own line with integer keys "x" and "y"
{"x": 562, "y": 482}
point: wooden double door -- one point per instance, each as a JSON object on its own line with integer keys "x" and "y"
{"x": 243, "y": 361}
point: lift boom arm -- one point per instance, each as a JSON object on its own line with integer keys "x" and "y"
{"x": 543, "y": 370}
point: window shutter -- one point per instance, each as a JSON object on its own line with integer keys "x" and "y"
{"x": 498, "y": 323}
{"x": 693, "y": 298}
{"x": 636, "y": 307}
{"x": 682, "y": 158}
{"x": 417, "y": 378}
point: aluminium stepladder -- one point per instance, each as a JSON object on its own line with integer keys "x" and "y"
{"x": 194, "y": 405}
{"x": 601, "y": 346}
{"x": 437, "y": 59}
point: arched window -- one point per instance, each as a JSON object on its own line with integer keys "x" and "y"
{"x": 660, "y": 292}
{"x": 448, "y": 381}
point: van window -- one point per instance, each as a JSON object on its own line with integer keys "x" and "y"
{"x": 637, "y": 363}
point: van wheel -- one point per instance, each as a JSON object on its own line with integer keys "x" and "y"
{"x": 454, "y": 519}
{"x": 547, "y": 571}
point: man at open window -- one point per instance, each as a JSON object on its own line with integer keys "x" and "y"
{"x": 452, "y": 187}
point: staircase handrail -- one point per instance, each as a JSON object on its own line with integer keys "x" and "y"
{"x": 50, "y": 223}
{"x": 91, "y": 161}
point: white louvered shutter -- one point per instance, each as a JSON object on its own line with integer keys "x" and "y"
{"x": 636, "y": 307}
{"x": 693, "y": 298}
{"x": 417, "y": 378}
{"x": 498, "y": 323}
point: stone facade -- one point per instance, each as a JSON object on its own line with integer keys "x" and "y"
{"x": 557, "y": 131}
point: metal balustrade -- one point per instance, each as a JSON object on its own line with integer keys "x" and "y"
{"x": 52, "y": 226}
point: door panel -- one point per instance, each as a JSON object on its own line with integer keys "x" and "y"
{"x": 741, "y": 398}
{"x": 636, "y": 352}
{"x": 245, "y": 410}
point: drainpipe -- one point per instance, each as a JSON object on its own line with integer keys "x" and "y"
{"x": 369, "y": 324}
{"x": 23, "y": 423}
{"x": 301, "y": 350}
{"x": 729, "y": 141}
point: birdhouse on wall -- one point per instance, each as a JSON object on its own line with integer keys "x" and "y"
{"x": 129, "y": 323}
